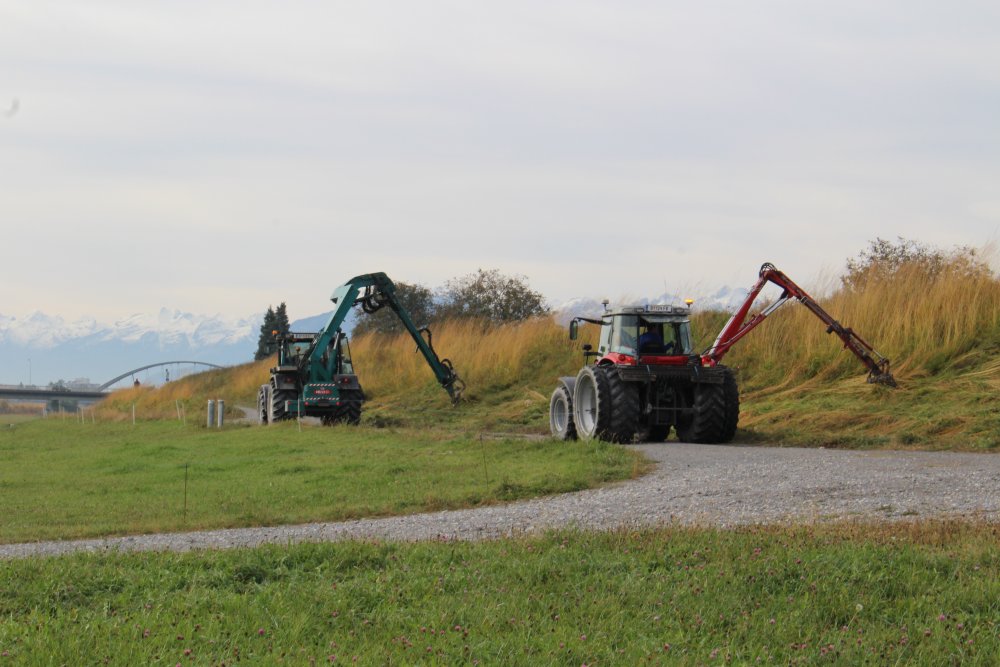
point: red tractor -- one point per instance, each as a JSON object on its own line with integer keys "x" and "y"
{"x": 647, "y": 378}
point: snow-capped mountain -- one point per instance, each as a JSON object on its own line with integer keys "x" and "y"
{"x": 726, "y": 298}
{"x": 42, "y": 348}
{"x": 168, "y": 327}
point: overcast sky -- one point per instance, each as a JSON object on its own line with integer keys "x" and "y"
{"x": 217, "y": 157}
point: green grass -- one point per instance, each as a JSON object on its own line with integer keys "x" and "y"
{"x": 924, "y": 594}
{"x": 12, "y": 419}
{"x": 949, "y": 411}
{"x": 62, "y": 479}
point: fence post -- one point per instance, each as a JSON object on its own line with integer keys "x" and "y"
{"x": 221, "y": 410}
{"x": 211, "y": 413}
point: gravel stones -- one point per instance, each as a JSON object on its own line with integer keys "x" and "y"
{"x": 711, "y": 485}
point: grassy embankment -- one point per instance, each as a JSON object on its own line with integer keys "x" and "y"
{"x": 922, "y": 594}
{"x": 61, "y": 479}
{"x": 799, "y": 386}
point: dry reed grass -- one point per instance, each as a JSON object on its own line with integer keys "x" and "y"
{"x": 488, "y": 358}
{"x": 925, "y": 324}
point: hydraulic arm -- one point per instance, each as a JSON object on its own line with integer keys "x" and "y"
{"x": 738, "y": 326}
{"x": 372, "y": 291}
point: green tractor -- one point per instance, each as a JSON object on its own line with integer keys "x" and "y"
{"x": 315, "y": 374}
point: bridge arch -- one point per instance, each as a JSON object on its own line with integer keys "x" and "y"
{"x": 161, "y": 363}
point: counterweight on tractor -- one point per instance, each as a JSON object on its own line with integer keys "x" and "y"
{"x": 315, "y": 373}
{"x": 646, "y": 378}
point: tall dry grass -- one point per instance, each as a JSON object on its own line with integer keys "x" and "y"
{"x": 236, "y": 385}
{"x": 489, "y": 358}
{"x": 925, "y": 323}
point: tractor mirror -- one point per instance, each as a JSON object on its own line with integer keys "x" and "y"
{"x": 574, "y": 329}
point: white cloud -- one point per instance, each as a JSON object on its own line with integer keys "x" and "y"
{"x": 219, "y": 157}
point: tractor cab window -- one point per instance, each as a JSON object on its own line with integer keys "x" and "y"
{"x": 682, "y": 338}
{"x": 297, "y": 350}
{"x": 346, "y": 367}
{"x": 658, "y": 335}
{"x": 624, "y": 334}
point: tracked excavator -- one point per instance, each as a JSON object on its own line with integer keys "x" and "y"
{"x": 646, "y": 378}
{"x": 315, "y": 373}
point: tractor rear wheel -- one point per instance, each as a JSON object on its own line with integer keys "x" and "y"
{"x": 732, "y": 411}
{"x": 278, "y": 399}
{"x": 624, "y": 408}
{"x": 561, "y": 422}
{"x": 349, "y": 412}
{"x": 263, "y": 403}
{"x": 716, "y": 411}
{"x": 605, "y": 406}
{"x": 351, "y": 409}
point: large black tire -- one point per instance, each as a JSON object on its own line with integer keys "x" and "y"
{"x": 591, "y": 403}
{"x": 264, "y": 403}
{"x": 278, "y": 398}
{"x": 604, "y": 406}
{"x": 732, "y": 413}
{"x": 624, "y": 408}
{"x": 716, "y": 411}
{"x": 561, "y": 422}
{"x": 347, "y": 413}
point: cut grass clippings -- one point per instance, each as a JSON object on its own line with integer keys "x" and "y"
{"x": 926, "y": 594}
{"x": 62, "y": 479}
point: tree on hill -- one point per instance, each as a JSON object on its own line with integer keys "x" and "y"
{"x": 492, "y": 296}
{"x": 416, "y": 299}
{"x": 281, "y": 319}
{"x": 884, "y": 260}
{"x": 265, "y": 342}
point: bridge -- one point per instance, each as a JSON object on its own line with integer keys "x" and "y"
{"x": 38, "y": 394}
{"x": 142, "y": 368}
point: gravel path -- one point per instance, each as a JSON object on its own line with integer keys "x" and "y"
{"x": 691, "y": 484}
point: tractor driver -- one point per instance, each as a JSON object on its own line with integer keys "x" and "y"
{"x": 651, "y": 339}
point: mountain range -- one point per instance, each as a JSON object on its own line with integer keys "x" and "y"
{"x": 40, "y": 348}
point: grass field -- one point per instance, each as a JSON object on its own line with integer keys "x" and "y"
{"x": 924, "y": 594}
{"x": 63, "y": 479}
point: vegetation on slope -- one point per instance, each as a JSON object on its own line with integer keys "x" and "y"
{"x": 935, "y": 315}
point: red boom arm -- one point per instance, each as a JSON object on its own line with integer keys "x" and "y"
{"x": 738, "y": 326}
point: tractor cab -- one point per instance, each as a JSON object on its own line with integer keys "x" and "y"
{"x": 635, "y": 335}
{"x": 293, "y": 348}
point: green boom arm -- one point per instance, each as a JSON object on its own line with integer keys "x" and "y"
{"x": 373, "y": 291}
